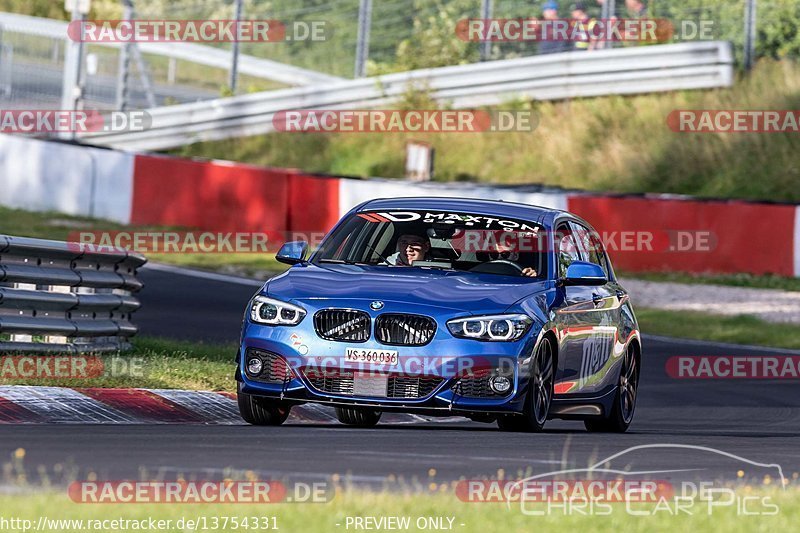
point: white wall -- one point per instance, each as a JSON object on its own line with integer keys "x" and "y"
{"x": 50, "y": 176}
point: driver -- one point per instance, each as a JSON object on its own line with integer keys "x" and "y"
{"x": 505, "y": 252}
{"x": 410, "y": 248}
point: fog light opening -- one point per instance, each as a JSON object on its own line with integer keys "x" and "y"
{"x": 500, "y": 384}
{"x": 254, "y": 366}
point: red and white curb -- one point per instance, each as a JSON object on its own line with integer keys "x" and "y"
{"x": 58, "y": 405}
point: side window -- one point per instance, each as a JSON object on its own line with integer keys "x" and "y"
{"x": 567, "y": 248}
{"x": 591, "y": 246}
{"x": 600, "y": 252}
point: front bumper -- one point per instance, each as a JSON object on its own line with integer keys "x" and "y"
{"x": 446, "y": 360}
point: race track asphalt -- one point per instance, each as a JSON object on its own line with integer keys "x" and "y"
{"x": 756, "y": 421}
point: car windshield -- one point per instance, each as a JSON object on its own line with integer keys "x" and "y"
{"x": 458, "y": 241}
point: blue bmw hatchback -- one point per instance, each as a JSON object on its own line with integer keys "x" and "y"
{"x": 496, "y": 311}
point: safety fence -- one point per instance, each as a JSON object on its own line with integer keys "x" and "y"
{"x": 58, "y": 297}
{"x": 32, "y": 69}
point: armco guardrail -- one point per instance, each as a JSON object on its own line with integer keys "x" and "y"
{"x": 551, "y": 77}
{"x": 56, "y": 297}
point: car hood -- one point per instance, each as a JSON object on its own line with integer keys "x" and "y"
{"x": 457, "y": 291}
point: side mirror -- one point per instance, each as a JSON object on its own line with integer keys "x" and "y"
{"x": 292, "y": 253}
{"x": 584, "y": 274}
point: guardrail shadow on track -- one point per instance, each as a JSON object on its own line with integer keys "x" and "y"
{"x": 59, "y": 297}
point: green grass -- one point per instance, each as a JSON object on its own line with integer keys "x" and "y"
{"x": 50, "y": 225}
{"x": 616, "y": 143}
{"x": 156, "y": 363}
{"x": 733, "y": 280}
{"x": 475, "y": 517}
{"x": 740, "y": 329}
{"x": 58, "y": 226}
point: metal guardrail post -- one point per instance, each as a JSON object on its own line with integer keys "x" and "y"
{"x": 124, "y": 72}
{"x": 362, "y": 45}
{"x": 750, "y": 18}
{"x": 6, "y": 65}
{"x": 608, "y": 11}
{"x": 73, "y": 61}
{"x": 144, "y": 75}
{"x": 58, "y": 297}
{"x": 234, "y": 73}
{"x": 486, "y": 13}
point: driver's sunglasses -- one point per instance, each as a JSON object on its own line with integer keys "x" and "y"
{"x": 500, "y": 255}
{"x": 412, "y": 244}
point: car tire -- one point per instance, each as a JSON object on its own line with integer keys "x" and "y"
{"x": 621, "y": 415}
{"x": 261, "y": 411}
{"x": 358, "y": 417}
{"x": 540, "y": 393}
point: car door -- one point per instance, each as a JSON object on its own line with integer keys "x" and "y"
{"x": 575, "y": 319}
{"x": 601, "y": 344}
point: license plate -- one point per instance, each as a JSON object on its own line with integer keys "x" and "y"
{"x": 370, "y": 357}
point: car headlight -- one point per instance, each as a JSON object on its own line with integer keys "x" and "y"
{"x": 491, "y": 328}
{"x": 265, "y": 310}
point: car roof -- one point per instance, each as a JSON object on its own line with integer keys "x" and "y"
{"x": 499, "y": 208}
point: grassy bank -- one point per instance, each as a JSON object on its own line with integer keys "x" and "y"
{"x": 740, "y": 329}
{"x": 732, "y": 280}
{"x": 62, "y": 227}
{"x": 153, "y": 363}
{"x": 618, "y": 143}
{"x": 466, "y": 517}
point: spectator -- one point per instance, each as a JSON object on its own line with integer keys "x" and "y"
{"x": 636, "y": 8}
{"x": 549, "y": 44}
{"x": 586, "y": 24}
